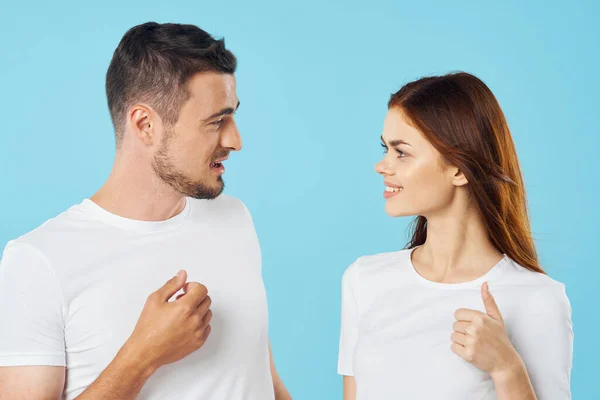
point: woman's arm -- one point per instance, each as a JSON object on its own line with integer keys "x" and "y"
{"x": 481, "y": 339}
{"x": 537, "y": 361}
{"x": 514, "y": 383}
{"x": 348, "y": 333}
{"x": 544, "y": 345}
{"x": 545, "y": 342}
{"x": 349, "y": 388}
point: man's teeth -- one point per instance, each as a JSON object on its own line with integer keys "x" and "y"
{"x": 391, "y": 189}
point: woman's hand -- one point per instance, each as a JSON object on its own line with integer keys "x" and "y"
{"x": 481, "y": 339}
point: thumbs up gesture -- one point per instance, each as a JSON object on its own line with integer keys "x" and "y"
{"x": 481, "y": 338}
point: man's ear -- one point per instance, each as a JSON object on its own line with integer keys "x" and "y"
{"x": 142, "y": 122}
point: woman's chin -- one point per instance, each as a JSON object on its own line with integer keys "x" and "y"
{"x": 395, "y": 211}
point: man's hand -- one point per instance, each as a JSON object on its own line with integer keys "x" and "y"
{"x": 169, "y": 331}
{"x": 165, "y": 332}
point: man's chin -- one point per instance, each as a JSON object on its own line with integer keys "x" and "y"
{"x": 208, "y": 192}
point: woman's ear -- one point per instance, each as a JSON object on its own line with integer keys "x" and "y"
{"x": 459, "y": 178}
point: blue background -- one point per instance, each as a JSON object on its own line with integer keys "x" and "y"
{"x": 314, "y": 79}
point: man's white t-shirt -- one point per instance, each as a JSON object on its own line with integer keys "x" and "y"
{"x": 396, "y": 328}
{"x": 72, "y": 290}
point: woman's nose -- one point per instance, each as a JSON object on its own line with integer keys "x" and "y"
{"x": 383, "y": 168}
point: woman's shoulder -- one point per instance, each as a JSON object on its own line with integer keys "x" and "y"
{"x": 540, "y": 289}
{"x": 522, "y": 276}
{"x": 375, "y": 264}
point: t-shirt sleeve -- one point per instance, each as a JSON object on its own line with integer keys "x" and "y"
{"x": 348, "y": 330}
{"x": 546, "y": 343}
{"x": 31, "y": 309}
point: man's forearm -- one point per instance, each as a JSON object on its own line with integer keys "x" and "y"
{"x": 123, "y": 379}
{"x": 281, "y": 392}
{"x": 514, "y": 385}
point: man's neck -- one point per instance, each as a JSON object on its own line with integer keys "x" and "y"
{"x": 139, "y": 195}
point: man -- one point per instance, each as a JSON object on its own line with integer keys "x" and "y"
{"x": 85, "y": 309}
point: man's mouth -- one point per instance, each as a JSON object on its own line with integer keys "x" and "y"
{"x": 217, "y": 165}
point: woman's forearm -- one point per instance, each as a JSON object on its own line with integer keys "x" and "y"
{"x": 514, "y": 383}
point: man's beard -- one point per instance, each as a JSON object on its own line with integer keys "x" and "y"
{"x": 165, "y": 170}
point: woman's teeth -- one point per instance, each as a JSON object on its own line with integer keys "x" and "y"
{"x": 392, "y": 189}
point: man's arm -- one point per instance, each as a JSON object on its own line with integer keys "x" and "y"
{"x": 32, "y": 382}
{"x": 165, "y": 332}
{"x": 281, "y": 392}
{"x": 122, "y": 379}
{"x": 32, "y": 359}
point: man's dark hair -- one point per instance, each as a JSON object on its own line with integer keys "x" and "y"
{"x": 153, "y": 64}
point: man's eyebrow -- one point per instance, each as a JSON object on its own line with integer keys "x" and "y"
{"x": 225, "y": 111}
{"x": 396, "y": 142}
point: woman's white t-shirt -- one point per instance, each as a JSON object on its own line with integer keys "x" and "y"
{"x": 396, "y": 327}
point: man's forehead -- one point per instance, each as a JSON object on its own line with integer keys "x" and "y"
{"x": 212, "y": 82}
{"x": 212, "y": 91}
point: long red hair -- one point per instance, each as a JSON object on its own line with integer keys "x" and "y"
{"x": 462, "y": 119}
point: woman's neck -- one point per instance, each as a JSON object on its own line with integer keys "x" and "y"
{"x": 457, "y": 248}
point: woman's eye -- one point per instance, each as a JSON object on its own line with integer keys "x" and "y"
{"x": 401, "y": 154}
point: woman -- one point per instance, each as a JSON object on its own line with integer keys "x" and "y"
{"x": 465, "y": 311}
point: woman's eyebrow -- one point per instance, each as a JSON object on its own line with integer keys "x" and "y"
{"x": 396, "y": 142}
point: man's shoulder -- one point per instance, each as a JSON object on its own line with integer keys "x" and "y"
{"x": 54, "y": 230}
{"x": 36, "y": 247}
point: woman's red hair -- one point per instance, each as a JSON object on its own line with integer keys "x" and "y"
{"x": 462, "y": 119}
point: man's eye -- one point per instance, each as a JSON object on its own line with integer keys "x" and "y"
{"x": 217, "y": 123}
